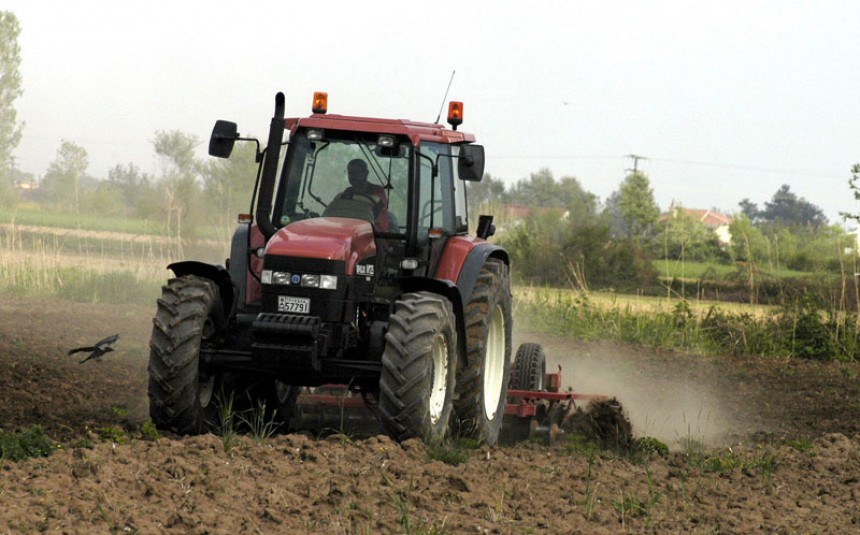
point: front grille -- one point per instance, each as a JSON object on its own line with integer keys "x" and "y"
{"x": 267, "y": 323}
{"x": 300, "y": 265}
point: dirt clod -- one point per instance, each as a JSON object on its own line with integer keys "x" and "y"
{"x": 604, "y": 423}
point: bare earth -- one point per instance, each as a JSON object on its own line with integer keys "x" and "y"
{"x": 782, "y": 450}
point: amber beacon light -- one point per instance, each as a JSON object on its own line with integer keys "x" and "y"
{"x": 320, "y": 102}
{"x": 455, "y": 114}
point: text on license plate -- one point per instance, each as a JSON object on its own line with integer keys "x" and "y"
{"x": 296, "y": 305}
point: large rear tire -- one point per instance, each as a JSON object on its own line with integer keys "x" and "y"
{"x": 418, "y": 368}
{"x": 482, "y": 379}
{"x": 182, "y": 396}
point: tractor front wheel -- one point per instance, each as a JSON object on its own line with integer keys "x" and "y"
{"x": 181, "y": 393}
{"x": 418, "y": 368}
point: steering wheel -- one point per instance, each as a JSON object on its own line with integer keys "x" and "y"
{"x": 375, "y": 203}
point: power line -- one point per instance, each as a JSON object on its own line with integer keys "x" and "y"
{"x": 739, "y": 167}
{"x": 699, "y": 163}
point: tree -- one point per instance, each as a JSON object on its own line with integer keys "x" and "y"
{"x": 636, "y": 205}
{"x": 538, "y": 190}
{"x": 580, "y": 204}
{"x": 136, "y": 189}
{"x": 749, "y": 209}
{"x": 748, "y": 243}
{"x": 66, "y": 174}
{"x": 228, "y": 185}
{"x": 181, "y": 173}
{"x": 684, "y": 238}
{"x": 542, "y": 190}
{"x": 854, "y": 186}
{"x": 788, "y": 210}
{"x": 10, "y": 89}
{"x": 489, "y": 191}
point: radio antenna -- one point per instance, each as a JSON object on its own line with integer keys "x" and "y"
{"x": 446, "y": 96}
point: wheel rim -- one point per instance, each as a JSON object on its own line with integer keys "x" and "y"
{"x": 205, "y": 387}
{"x": 282, "y": 391}
{"x": 541, "y": 378}
{"x": 494, "y": 363}
{"x": 440, "y": 378}
{"x": 205, "y": 383}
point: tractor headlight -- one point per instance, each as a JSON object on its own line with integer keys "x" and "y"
{"x": 280, "y": 277}
{"x": 328, "y": 282}
{"x": 275, "y": 277}
{"x": 311, "y": 281}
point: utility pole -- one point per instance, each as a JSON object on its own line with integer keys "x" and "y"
{"x": 636, "y": 162}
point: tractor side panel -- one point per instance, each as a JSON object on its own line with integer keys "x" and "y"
{"x": 253, "y": 289}
{"x": 462, "y": 260}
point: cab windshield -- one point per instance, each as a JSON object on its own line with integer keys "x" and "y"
{"x": 345, "y": 174}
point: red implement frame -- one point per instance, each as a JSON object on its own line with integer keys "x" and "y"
{"x": 520, "y": 403}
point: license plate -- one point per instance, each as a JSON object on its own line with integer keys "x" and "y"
{"x": 295, "y": 305}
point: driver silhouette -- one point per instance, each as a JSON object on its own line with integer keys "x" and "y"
{"x": 361, "y": 189}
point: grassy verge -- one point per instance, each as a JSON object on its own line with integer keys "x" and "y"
{"x": 797, "y": 330}
{"x": 32, "y": 214}
{"x": 675, "y": 269}
{"x": 79, "y": 285}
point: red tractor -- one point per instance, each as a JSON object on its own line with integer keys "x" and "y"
{"x": 357, "y": 269}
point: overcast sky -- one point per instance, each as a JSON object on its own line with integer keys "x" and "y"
{"x": 727, "y": 99}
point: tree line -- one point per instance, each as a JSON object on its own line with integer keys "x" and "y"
{"x": 570, "y": 237}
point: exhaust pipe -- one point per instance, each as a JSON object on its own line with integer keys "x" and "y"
{"x": 270, "y": 170}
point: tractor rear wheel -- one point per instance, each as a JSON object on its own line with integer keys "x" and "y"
{"x": 529, "y": 371}
{"x": 482, "y": 378}
{"x": 181, "y": 392}
{"x": 418, "y": 368}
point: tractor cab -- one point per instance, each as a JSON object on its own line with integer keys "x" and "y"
{"x": 406, "y": 179}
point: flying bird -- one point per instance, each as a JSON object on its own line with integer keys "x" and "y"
{"x": 96, "y": 351}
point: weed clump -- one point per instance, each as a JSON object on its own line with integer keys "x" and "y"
{"x": 19, "y": 445}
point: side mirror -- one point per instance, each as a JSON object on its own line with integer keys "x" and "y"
{"x": 470, "y": 164}
{"x": 486, "y": 228}
{"x": 224, "y": 135}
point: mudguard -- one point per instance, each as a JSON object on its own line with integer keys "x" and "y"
{"x": 213, "y": 272}
{"x": 463, "y": 259}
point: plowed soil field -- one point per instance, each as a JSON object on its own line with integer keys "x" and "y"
{"x": 757, "y": 446}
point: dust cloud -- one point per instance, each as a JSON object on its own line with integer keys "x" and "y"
{"x": 670, "y": 396}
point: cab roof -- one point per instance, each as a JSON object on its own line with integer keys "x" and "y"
{"x": 416, "y": 131}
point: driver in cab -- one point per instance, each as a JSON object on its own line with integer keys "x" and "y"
{"x": 360, "y": 189}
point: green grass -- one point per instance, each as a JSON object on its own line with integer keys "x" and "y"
{"x": 798, "y": 330}
{"x": 32, "y": 214}
{"x": 452, "y": 452}
{"x": 260, "y": 423}
{"x": 669, "y": 269}
{"x": 690, "y": 270}
{"x": 73, "y": 284}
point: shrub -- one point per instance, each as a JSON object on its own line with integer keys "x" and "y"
{"x": 19, "y": 445}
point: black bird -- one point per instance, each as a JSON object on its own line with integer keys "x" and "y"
{"x": 96, "y": 351}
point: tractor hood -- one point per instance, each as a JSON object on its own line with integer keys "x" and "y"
{"x": 325, "y": 238}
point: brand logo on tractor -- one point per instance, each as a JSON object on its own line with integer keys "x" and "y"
{"x": 295, "y": 279}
